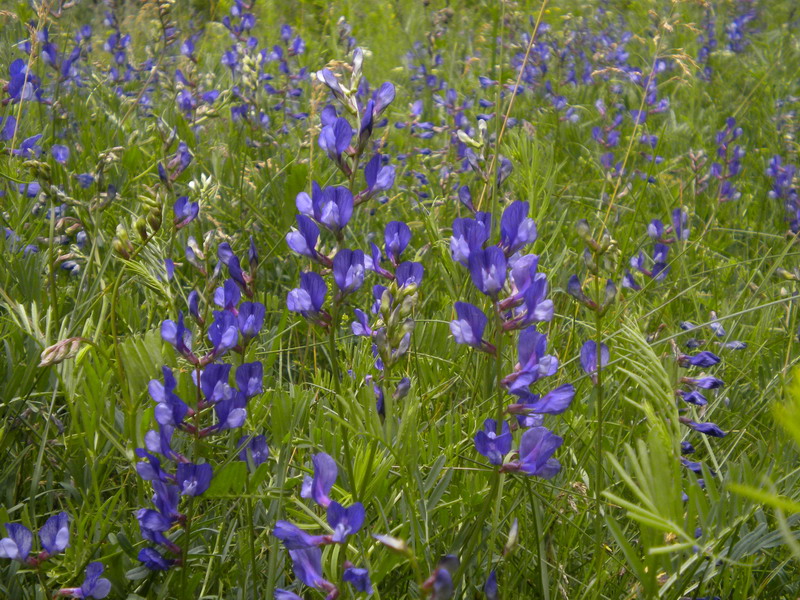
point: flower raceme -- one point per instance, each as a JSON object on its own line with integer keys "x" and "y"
{"x": 304, "y": 548}
{"x": 53, "y": 536}
{"x": 503, "y": 269}
{"x": 231, "y": 329}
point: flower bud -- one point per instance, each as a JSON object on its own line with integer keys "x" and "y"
{"x": 402, "y": 389}
{"x": 583, "y": 229}
{"x": 465, "y": 139}
{"x": 393, "y": 543}
{"x": 60, "y": 351}
{"x": 141, "y": 228}
{"x": 513, "y": 537}
{"x": 386, "y": 304}
{"x": 154, "y": 218}
{"x": 120, "y": 248}
{"x": 407, "y": 306}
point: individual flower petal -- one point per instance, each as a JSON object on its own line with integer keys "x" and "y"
{"x": 54, "y": 534}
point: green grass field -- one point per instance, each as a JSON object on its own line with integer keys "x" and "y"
{"x": 167, "y": 163}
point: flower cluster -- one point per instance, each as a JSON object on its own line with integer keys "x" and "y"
{"x": 783, "y": 189}
{"x": 304, "y": 548}
{"x": 331, "y": 208}
{"x": 54, "y": 539}
{"x": 218, "y": 407}
{"x": 728, "y": 164}
{"x": 518, "y": 294}
{"x": 657, "y": 268}
{"x": 257, "y": 90}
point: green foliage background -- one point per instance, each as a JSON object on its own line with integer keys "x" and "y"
{"x": 69, "y": 431}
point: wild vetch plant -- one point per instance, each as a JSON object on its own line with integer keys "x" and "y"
{"x": 404, "y": 300}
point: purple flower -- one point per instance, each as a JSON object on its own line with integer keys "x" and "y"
{"x": 153, "y": 560}
{"x": 589, "y": 357}
{"x": 440, "y": 583}
{"x": 303, "y": 240}
{"x": 554, "y": 402}
{"x": 93, "y": 585}
{"x": 252, "y": 256}
{"x": 710, "y": 429}
{"x": 327, "y": 77}
{"x": 60, "y": 153}
{"x": 345, "y": 521}
{"x": 516, "y": 229}
{"x": 166, "y": 499}
{"x": 254, "y": 450}
{"x": 361, "y": 326}
{"x": 468, "y": 236}
{"x": 639, "y": 116}
{"x": 153, "y": 524}
{"x": 538, "y": 307}
{"x": 231, "y": 412}
{"x": 358, "y": 578}
{"x": 655, "y": 230}
{"x": 348, "y": 270}
{"x": 373, "y": 262}
{"x": 214, "y": 382}
{"x": 331, "y": 207}
{"x": 170, "y": 409}
{"x": 54, "y": 534}
{"x": 491, "y": 445}
{"x": 294, "y": 538}
{"x": 29, "y": 147}
{"x": 693, "y": 397}
{"x": 680, "y": 224}
{"x": 488, "y": 270}
{"x": 701, "y": 359}
{"x": 8, "y": 127}
{"x": 309, "y": 297}
{"x": 383, "y": 97}
{"x": 490, "y": 587}
{"x": 334, "y": 139}
{"x": 379, "y": 178}
{"x": 286, "y": 595}
{"x": 706, "y": 383}
{"x": 227, "y": 296}
{"x": 535, "y": 451}
{"x": 223, "y": 332}
{"x": 185, "y": 212}
{"x": 533, "y": 362}
{"x": 307, "y": 565}
{"x": 367, "y": 124}
{"x": 409, "y": 273}
{"x": 397, "y": 235}
{"x": 469, "y": 326}
{"x": 18, "y": 544}
{"x": 193, "y": 479}
{"x": 177, "y": 335}
{"x": 575, "y": 289}
{"x": 251, "y": 319}
{"x": 250, "y": 378}
{"x": 318, "y": 487}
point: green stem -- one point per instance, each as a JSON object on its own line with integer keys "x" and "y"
{"x": 598, "y": 471}
{"x": 251, "y": 533}
{"x": 187, "y": 540}
{"x": 348, "y": 457}
{"x": 498, "y": 368}
{"x": 538, "y": 531}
